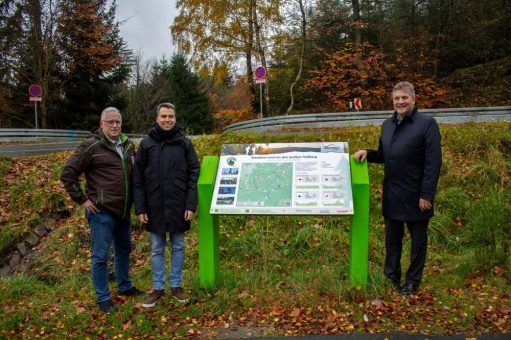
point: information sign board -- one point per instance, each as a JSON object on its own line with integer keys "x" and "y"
{"x": 283, "y": 179}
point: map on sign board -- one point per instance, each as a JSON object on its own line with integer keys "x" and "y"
{"x": 283, "y": 179}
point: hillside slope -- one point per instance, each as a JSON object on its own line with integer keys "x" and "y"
{"x": 481, "y": 85}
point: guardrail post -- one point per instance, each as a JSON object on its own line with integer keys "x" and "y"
{"x": 208, "y": 225}
{"x": 359, "y": 238}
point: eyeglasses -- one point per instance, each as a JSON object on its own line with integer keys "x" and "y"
{"x": 113, "y": 122}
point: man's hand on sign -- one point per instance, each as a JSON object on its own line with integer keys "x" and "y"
{"x": 360, "y": 155}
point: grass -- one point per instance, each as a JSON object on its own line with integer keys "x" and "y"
{"x": 280, "y": 275}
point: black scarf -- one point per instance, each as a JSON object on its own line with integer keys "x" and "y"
{"x": 163, "y": 135}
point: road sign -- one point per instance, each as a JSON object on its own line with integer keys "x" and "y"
{"x": 358, "y": 104}
{"x": 35, "y": 90}
{"x": 260, "y": 78}
{"x": 260, "y": 72}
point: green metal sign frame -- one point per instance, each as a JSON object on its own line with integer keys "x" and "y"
{"x": 209, "y": 268}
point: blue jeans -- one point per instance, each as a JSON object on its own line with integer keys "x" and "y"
{"x": 177, "y": 257}
{"x": 106, "y": 228}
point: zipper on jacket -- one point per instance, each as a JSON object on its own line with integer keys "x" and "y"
{"x": 124, "y": 152}
{"x": 125, "y": 181}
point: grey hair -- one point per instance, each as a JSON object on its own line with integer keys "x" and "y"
{"x": 109, "y": 109}
{"x": 166, "y": 105}
{"x": 405, "y": 85}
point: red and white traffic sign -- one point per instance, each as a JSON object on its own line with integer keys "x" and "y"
{"x": 260, "y": 72}
{"x": 358, "y": 104}
{"x": 35, "y": 90}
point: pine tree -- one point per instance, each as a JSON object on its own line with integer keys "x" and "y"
{"x": 190, "y": 99}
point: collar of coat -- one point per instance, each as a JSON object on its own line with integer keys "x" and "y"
{"x": 101, "y": 135}
{"x": 410, "y": 116}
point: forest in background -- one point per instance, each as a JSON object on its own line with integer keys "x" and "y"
{"x": 320, "y": 54}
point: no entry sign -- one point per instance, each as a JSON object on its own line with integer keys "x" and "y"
{"x": 35, "y": 90}
{"x": 260, "y": 72}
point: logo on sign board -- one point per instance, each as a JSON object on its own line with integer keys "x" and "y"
{"x": 330, "y": 148}
{"x": 231, "y": 161}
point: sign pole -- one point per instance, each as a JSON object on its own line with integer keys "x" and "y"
{"x": 35, "y": 107}
{"x": 35, "y": 91}
{"x": 260, "y": 78}
{"x": 359, "y": 238}
{"x": 261, "y": 99}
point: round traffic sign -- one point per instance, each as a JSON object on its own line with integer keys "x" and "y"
{"x": 260, "y": 72}
{"x": 35, "y": 90}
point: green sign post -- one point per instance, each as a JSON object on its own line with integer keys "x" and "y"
{"x": 208, "y": 224}
{"x": 359, "y": 238}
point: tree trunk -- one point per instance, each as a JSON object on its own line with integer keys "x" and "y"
{"x": 37, "y": 56}
{"x": 358, "y": 41}
{"x": 42, "y": 35}
{"x": 248, "y": 57}
{"x": 299, "y": 74}
{"x": 356, "y": 22}
{"x": 262, "y": 57}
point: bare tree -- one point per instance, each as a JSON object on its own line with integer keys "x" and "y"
{"x": 146, "y": 89}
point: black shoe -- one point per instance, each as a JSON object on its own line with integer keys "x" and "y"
{"x": 107, "y": 306}
{"x": 133, "y": 291}
{"x": 408, "y": 289}
{"x": 395, "y": 283}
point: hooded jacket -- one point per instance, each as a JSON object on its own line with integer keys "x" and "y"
{"x": 165, "y": 179}
{"x": 412, "y": 157}
{"x": 108, "y": 176}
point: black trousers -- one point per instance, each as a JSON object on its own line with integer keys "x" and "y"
{"x": 394, "y": 231}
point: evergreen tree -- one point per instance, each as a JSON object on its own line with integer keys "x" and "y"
{"x": 189, "y": 97}
{"x": 93, "y": 53}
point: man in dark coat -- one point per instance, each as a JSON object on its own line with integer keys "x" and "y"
{"x": 106, "y": 158}
{"x": 409, "y": 148}
{"x": 165, "y": 188}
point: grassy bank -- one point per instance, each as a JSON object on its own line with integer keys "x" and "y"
{"x": 280, "y": 275}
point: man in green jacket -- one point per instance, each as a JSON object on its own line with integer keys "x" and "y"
{"x": 106, "y": 158}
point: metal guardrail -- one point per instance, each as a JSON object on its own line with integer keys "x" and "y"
{"x": 340, "y": 119}
{"x": 43, "y": 141}
{"x": 46, "y": 135}
{"x": 37, "y": 135}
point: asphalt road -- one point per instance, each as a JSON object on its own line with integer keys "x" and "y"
{"x": 17, "y": 150}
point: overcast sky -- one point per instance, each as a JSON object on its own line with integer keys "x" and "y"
{"x": 145, "y": 26}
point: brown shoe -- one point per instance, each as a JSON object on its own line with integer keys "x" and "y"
{"x": 179, "y": 294}
{"x": 153, "y": 297}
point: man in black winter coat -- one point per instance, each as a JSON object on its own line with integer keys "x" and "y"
{"x": 409, "y": 148}
{"x": 165, "y": 193}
